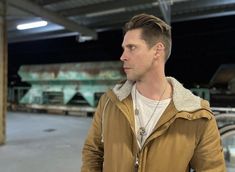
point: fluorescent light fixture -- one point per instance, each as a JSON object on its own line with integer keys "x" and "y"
{"x": 83, "y": 38}
{"x": 31, "y": 25}
{"x": 102, "y": 13}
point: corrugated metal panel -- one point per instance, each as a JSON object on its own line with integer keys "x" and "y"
{"x": 140, "y": 7}
{"x": 98, "y": 15}
{"x": 72, "y": 4}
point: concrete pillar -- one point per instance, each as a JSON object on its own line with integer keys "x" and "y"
{"x": 3, "y": 71}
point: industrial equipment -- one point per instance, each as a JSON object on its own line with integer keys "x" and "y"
{"x": 221, "y": 95}
{"x": 221, "y": 89}
{"x": 70, "y": 85}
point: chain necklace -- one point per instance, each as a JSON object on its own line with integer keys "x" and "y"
{"x": 142, "y": 129}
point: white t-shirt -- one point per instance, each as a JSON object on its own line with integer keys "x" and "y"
{"x": 146, "y": 107}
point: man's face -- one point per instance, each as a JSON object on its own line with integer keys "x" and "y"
{"x": 137, "y": 57}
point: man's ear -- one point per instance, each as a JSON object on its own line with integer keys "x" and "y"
{"x": 159, "y": 47}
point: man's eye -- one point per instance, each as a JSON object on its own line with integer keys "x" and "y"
{"x": 132, "y": 48}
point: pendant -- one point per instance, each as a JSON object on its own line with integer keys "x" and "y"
{"x": 136, "y": 111}
{"x": 141, "y": 134}
{"x": 141, "y": 131}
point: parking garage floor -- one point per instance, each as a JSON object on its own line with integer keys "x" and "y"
{"x": 43, "y": 143}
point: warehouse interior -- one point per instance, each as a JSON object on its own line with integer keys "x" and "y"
{"x": 43, "y": 129}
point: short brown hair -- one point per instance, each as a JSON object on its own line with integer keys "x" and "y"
{"x": 153, "y": 29}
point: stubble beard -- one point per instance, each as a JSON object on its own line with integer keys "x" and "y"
{"x": 134, "y": 77}
{"x": 139, "y": 76}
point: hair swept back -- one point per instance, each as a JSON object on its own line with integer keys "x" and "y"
{"x": 153, "y": 30}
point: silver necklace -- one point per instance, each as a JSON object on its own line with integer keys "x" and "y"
{"x": 142, "y": 129}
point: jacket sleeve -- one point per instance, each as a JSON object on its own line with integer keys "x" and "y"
{"x": 208, "y": 155}
{"x": 92, "y": 153}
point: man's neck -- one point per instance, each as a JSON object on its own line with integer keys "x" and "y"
{"x": 155, "y": 89}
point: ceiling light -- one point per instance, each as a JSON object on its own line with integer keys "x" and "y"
{"x": 31, "y": 25}
{"x": 83, "y": 38}
{"x": 101, "y": 13}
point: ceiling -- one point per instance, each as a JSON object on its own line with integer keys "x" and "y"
{"x": 87, "y": 17}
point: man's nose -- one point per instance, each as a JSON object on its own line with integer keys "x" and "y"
{"x": 123, "y": 57}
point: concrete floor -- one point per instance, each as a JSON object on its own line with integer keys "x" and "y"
{"x": 43, "y": 143}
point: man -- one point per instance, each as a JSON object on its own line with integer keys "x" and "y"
{"x": 151, "y": 123}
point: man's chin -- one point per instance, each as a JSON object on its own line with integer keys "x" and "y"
{"x": 131, "y": 78}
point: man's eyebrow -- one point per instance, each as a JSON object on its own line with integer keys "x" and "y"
{"x": 128, "y": 45}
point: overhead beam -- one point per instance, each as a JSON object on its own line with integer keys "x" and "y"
{"x": 3, "y": 71}
{"x": 37, "y": 10}
{"x": 210, "y": 3}
{"x": 200, "y": 5}
{"x": 178, "y": 6}
{"x": 181, "y": 11}
{"x": 49, "y": 2}
{"x": 202, "y": 9}
{"x": 209, "y": 13}
{"x": 103, "y": 6}
{"x": 119, "y": 19}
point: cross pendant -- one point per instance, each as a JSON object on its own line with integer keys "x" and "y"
{"x": 141, "y": 133}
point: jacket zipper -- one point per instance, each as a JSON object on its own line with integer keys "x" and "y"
{"x": 136, "y": 167}
{"x": 146, "y": 141}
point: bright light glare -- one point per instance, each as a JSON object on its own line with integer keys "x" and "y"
{"x": 31, "y": 25}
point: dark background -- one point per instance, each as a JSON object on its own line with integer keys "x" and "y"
{"x": 199, "y": 48}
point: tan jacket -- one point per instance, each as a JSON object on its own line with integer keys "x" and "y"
{"x": 186, "y": 134}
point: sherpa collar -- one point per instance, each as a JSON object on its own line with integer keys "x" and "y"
{"x": 183, "y": 98}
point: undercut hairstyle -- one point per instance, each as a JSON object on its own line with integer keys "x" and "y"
{"x": 154, "y": 30}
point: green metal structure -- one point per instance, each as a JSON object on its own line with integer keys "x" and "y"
{"x": 202, "y": 92}
{"x": 70, "y": 83}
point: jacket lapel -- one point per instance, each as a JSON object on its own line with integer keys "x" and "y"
{"x": 126, "y": 107}
{"x": 168, "y": 114}
{"x": 167, "y": 118}
{"x": 171, "y": 114}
